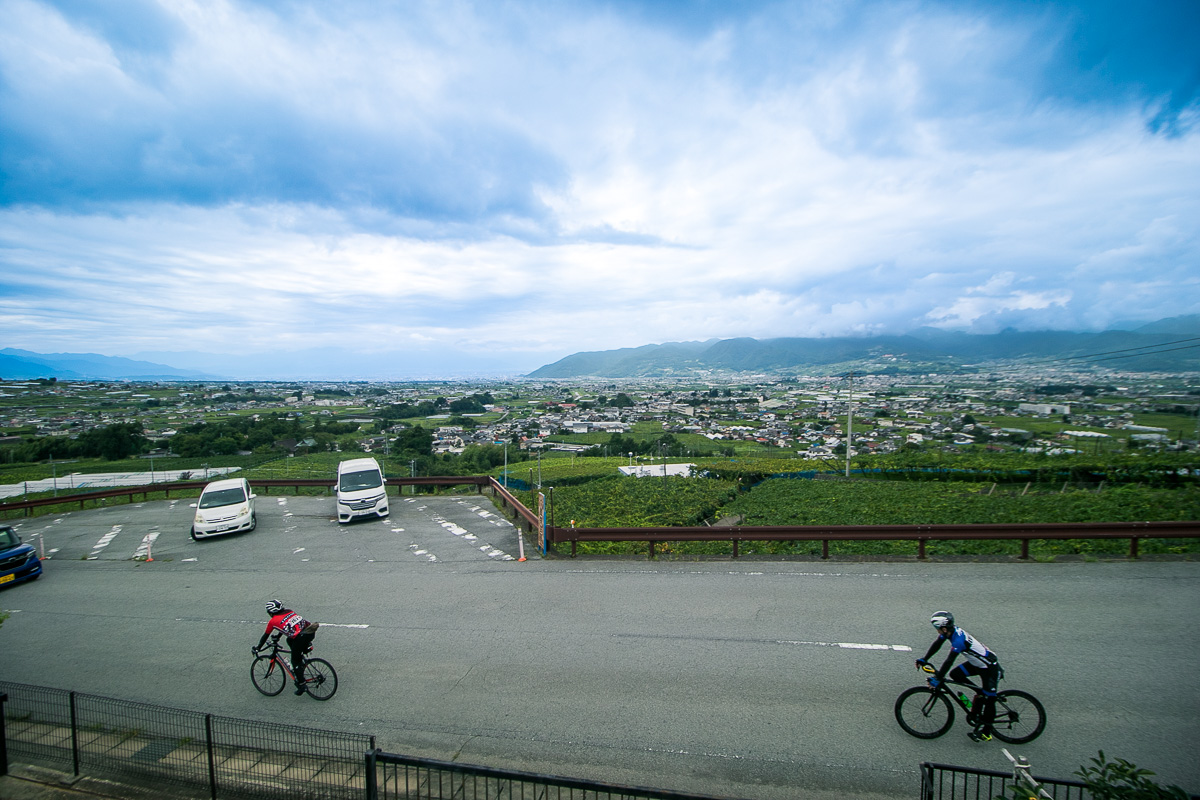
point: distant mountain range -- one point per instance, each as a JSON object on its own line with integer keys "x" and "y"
{"x": 24, "y": 365}
{"x": 1169, "y": 345}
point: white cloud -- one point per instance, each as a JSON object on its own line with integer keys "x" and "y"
{"x": 572, "y": 177}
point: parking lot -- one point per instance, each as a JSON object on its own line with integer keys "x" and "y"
{"x": 302, "y": 528}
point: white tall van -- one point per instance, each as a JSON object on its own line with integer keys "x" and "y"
{"x": 360, "y": 490}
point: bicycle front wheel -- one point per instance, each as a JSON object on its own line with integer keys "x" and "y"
{"x": 924, "y": 712}
{"x": 320, "y": 681}
{"x": 268, "y": 675}
{"x": 1020, "y": 717}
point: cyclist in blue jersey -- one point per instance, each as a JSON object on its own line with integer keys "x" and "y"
{"x": 978, "y": 660}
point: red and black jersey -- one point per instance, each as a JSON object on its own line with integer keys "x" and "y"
{"x": 287, "y": 621}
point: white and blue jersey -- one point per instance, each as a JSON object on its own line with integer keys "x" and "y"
{"x": 973, "y": 650}
{"x": 979, "y": 659}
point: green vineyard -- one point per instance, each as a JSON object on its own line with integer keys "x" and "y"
{"x": 589, "y": 494}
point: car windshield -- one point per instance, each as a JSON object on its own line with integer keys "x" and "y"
{"x": 8, "y": 537}
{"x": 357, "y": 481}
{"x": 222, "y": 497}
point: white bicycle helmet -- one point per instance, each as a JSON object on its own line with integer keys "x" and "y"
{"x": 274, "y": 607}
{"x": 942, "y": 619}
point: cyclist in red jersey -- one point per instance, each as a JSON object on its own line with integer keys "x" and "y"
{"x": 299, "y": 632}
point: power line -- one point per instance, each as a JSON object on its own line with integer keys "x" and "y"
{"x": 1096, "y": 357}
{"x": 1135, "y": 355}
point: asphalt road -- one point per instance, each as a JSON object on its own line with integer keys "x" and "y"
{"x": 756, "y": 679}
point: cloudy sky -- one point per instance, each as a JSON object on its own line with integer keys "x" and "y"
{"x": 368, "y": 189}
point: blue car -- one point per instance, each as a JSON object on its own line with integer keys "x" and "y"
{"x": 18, "y": 562}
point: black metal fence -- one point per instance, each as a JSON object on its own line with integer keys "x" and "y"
{"x": 200, "y": 755}
{"x": 207, "y": 756}
{"x": 392, "y": 777}
{"x": 945, "y": 782}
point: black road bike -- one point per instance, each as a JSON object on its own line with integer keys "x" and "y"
{"x": 927, "y": 712}
{"x": 272, "y": 670}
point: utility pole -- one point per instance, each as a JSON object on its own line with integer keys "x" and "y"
{"x": 849, "y": 422}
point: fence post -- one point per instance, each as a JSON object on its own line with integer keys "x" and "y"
{"x": 3, "y": 737}
{"x": 372, "y": 780}
{"x": 74, "y": 736}
{"x": 212, "y": 763}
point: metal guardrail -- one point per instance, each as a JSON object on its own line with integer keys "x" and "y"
{"x": 922, "y": 534}
{"x": 144, "y": 490}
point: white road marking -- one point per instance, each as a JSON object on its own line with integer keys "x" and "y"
{"x": 417, "y": 551}
{"x": 850, "y": 645}
{"x": 458, "y": 530}
{"x": 104, "y": 542}
{"x": 257, "y": 622}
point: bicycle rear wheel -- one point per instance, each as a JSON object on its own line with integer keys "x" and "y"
{"x": 1020, "y": 717}
{"x": 924, "y": 712}
{"x": 320, "y": 681}
{"x": 269, "y": 677}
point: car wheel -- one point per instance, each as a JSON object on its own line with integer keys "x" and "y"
{"x": 195, "y": 538}
{"x": 253, "y": 522}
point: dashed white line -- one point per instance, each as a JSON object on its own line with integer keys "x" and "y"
{"x": 849, "y": 645}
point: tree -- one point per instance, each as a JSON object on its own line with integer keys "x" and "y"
{"x": 113, "y": 442}
{"x": 414, "y": 441}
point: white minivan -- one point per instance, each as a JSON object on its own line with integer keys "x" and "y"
{"x": 225, "y": 506}
{"x": 360, "y": 490}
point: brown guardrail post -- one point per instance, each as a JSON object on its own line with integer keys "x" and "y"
{"x": 921, "y": 549}
{"x": 651, "y": 543}
{"x": 735, "y": 548}
{"x": 1133, "y": 547}
{"x": 1024, "y": 549}
{"x": 825, "y": 548}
